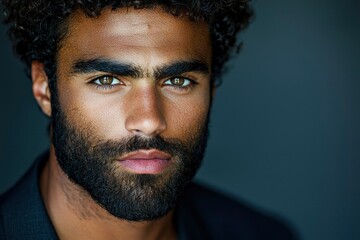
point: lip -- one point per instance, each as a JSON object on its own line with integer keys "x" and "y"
{"x": 146, "y": 154}
{"x": 145, "y": 161}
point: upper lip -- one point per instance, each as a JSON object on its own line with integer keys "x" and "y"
{"x": 146, "y": 155}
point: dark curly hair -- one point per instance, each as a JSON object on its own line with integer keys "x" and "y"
{"x": 38, "y": 26}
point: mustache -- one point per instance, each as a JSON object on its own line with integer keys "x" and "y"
{"x": 114, "y": 148}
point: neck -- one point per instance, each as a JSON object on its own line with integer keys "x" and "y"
{"x": 76, "y": 216}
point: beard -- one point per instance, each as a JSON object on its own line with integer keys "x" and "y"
{"x": 92, "y": 164}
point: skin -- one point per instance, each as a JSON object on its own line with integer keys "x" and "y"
{"x": 142, "y": 105}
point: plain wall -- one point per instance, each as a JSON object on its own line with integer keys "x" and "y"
{"x": 285, "y": 132}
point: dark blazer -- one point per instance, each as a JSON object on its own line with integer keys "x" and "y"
{"x": 201, "y": 214}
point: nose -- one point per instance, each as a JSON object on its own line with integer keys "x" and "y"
{"x": 145, "y": 115}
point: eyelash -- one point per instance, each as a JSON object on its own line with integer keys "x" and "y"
{"x": 104, "y": 86}
{"x": 181, "y": 88}
{"x": 109, "y": 87}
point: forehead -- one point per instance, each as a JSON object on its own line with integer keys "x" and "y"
{"x": 141, "y": 35}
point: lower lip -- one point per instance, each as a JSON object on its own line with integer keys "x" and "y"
{"x": 145, "y": 166}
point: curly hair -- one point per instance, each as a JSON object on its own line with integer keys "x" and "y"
{"x": 38, "y": 26}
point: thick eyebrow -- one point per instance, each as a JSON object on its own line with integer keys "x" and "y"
{"x": 131, "y": 70}
{"x": 107, "y": 66}
{"x": 180, "y": 67}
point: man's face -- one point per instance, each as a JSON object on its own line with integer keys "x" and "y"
{"x": 130, "y": 111}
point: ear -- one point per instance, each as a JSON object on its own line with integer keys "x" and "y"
{"x": 40, "y": 87}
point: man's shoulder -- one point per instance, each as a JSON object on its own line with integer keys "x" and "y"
{"x": 15, "y": 205}
{"x": 23, "y": 191}
{"x": 17, "y": 198}
{"x": 22, "y": 212}
{"x": 225, "y": 217}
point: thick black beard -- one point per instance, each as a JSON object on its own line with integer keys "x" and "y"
{"x": 92, "y": 164}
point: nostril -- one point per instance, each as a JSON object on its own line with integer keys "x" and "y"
{"x": 145, "y": 116}
{"x": 145, "y": 125}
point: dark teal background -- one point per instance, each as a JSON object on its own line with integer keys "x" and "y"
{"x": 285, "y": 132}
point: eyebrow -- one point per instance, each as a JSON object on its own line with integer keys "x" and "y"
{"x": 134, "y": 71}
{"x": 108, "y": 66}
{"x": 180, "y": 67}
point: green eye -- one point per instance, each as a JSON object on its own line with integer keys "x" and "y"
{"x": 107, "y": 80}
{"x": 178, "y": 82}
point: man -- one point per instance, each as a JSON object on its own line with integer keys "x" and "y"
{"x": 127, "y": 86}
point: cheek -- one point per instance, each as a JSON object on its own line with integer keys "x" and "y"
{"x": 102, "y": 115}
{"x": 188, "y": 118}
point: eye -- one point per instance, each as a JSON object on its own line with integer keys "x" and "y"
{"x": 107, "y": 81}
{"x": 178, "y": 82}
